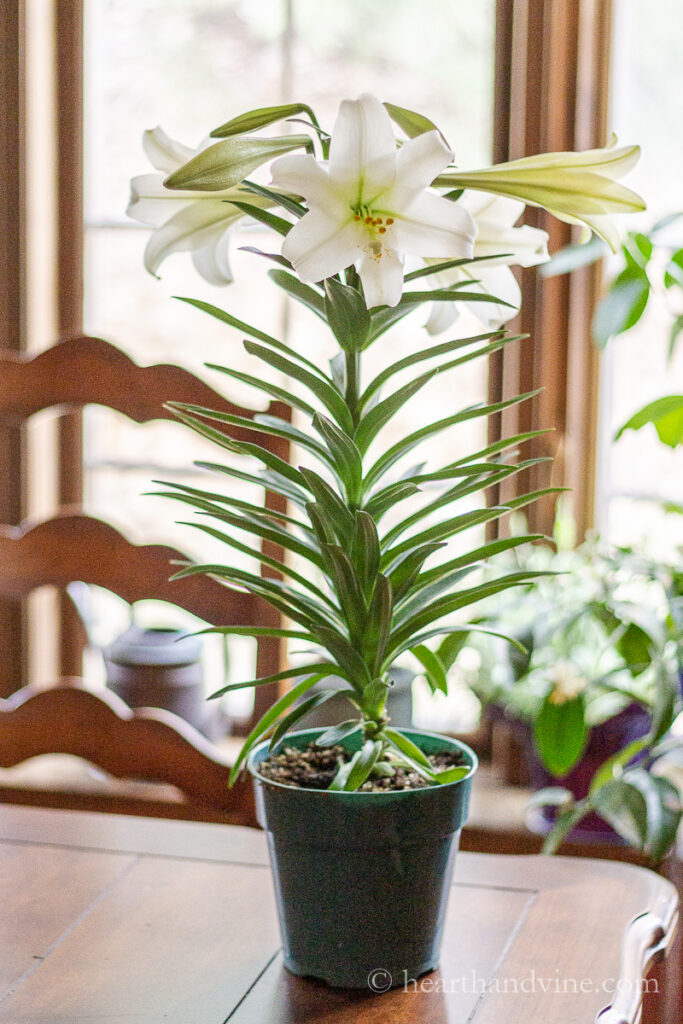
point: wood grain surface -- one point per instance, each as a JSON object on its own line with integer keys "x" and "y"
{"x": 141, "y": 922}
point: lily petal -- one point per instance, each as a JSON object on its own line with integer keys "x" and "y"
{"x": 363, "y": 147}
{"x": 194, "y": 226}
{"x": 435, "y": 226}
{"x": 382, "y": 278}
{"x": 164, "y": 153}
{"x": 150, "y": 203}
{"x": 421, "y": 159}
{"x": 500, "y": 282}
{"x": 319, "y": 246}
{"x": 211, "y": 260}
{"x": 303, "y": 175}
{"x": 575, "y": 187}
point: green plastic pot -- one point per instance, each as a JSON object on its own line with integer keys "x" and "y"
{"x": 362, "y": 879}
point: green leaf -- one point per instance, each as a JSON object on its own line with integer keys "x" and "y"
{"x": 613, "y": 767}
{"x": 676, "y": 329}
{"x": 411, "y": 123}
{"x": 253, "y": 332}
{"x": 275, "y": 257}
{"x": 213, "y": 503}
{"x": 479, "y": 554}
{"x": 266, "y": 387}
{"x": 373, "y": 421}
{"x": 625, "y": 808}
{"x": 637, "y": 249}
{"x": 411, "y": 755}
{"x": 551, "y": 796}
{"x": 674, "y": 271}
{"x": 406, "y": 746}
{"x": 378, "y": 623}
{"x": 573, "y": 257}
{"x": 406, "y": 568}
{"x": 567, "y": 819}
{"x": 352, "y": 775}
{"x": 666, "y": 414}
{"x": 472, "y": 485}
{"x": 227, "y": 163}
{"x": 406, "y": 635}
{"x": 290, "y": 673}
{"x": 262, "y": 423}
{"x": 396, "y": 451}
{"x": 381, "y": 501}
{"x": 303, "y": 293}
{"x": 347, "y": 315}
{"x": 270, "y": 481}
{"x": 347, "y": 588}
{"x": 454, "y": 774}
{"x": 346, "y": 656}
{"x": 662, "y": 836}
{"x": 271, "y": 716}
{"x": 280, "y": 537}
{"x": 442, "y": 531}
{"x": 252, "y": 120}
{"x": 337, "y": 733}
{"x": 434, "y": 669}
{"x": 665, "y": 703}
{"x": 622, "y": 306}
{"x": 417, "y": 357}
{"x": 365, "y": 551}
{"x": 329, "y": 501}
{"x": 664, "y": 222}
{"x": 429, "y": 634}
{"x": 560, "y": 734}
{"x": 265, "y": 456}
{"x": 345, "y": 454}
{"x": 323, "y": 527}
{"x": 261, "y": 556}
{"x": 438, "y": 268}
{"x": 286, "y": 202}
{"x": 321, "y": 388}
{"x": 299, "y": 712}
{"x": 271, "y": 220}
{"x": 374, "y": 698}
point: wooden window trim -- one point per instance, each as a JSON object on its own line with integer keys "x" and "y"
{"x": 551, "y": 93}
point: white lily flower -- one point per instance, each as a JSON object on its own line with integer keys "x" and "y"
{"x": 578, "y": 188}
{"x": 185, "y": 221}
{"x": 525, "y": 246}
{"x": 370, "y": 204}
{"x": 567, "y": 682}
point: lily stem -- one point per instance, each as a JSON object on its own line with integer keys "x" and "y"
{"x": 353, "y": 385}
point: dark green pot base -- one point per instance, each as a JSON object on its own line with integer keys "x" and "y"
{"x": 362, "y": 879}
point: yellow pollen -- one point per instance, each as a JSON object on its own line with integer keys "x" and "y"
{"x": 382, "y": 231}
{"x": 390, "y": 220}
{"x": 356, "y": 216}
{"x": 368, "y": 220}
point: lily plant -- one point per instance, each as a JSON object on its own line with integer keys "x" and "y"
{"x": 366, "y": 575}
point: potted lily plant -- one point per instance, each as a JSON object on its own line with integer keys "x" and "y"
{"x": 362, "y": 818}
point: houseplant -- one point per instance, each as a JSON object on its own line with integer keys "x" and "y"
{"x": 596, "y": 693}
{"x": 357, "y": 590}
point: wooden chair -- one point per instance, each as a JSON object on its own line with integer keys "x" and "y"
{"x": 142, "y": 744}
{"x": 66, "y": 718}
{"x": 87, "y": 370}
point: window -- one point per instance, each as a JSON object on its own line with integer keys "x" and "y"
{"x": 638, "y": 473}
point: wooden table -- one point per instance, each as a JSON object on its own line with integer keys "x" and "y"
{"x": 108, "y": 919}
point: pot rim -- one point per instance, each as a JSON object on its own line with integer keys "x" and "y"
{"x": 394, "y": 793}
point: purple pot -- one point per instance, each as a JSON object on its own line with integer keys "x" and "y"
{"x": 604, "y": 740}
